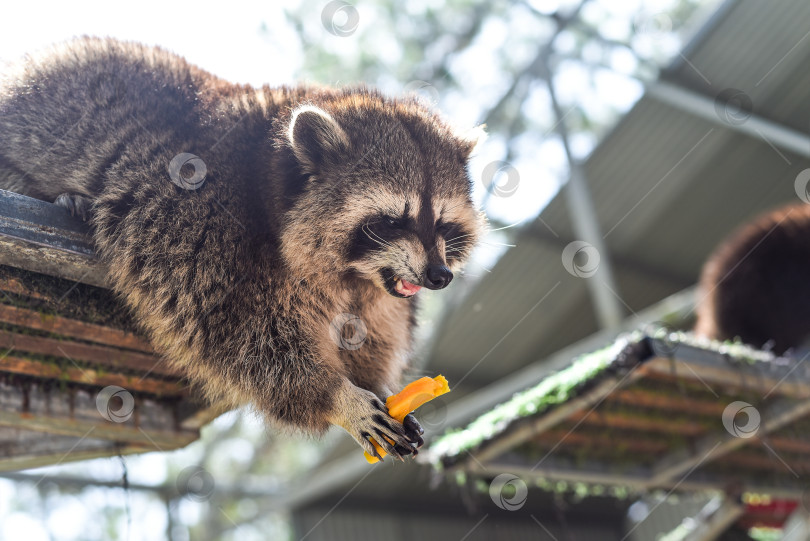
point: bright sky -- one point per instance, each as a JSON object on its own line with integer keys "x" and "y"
{"x": 224, "y": 40}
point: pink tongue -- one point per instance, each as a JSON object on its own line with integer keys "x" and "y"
{"x": 409, "y": 287}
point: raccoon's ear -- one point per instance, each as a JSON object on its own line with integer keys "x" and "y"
{"x": 472, "y": 139}
{"x": 317, "y": 140}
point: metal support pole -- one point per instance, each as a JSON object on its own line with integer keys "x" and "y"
{"x": 705, "y": 107}
{"x": 601, "y": 285}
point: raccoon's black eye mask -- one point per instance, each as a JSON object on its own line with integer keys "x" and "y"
{"x": 395, "y": 222}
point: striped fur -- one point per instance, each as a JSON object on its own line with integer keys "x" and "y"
{"x": 237, "y": 282}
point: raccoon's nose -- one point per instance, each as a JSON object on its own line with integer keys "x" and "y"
{"x": 437, "y": 276}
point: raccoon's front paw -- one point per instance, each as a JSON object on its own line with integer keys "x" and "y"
{"x": 365, "y": 417}
{"x": 77, "y": 205}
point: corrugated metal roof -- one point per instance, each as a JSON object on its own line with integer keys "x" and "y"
{"x": 667, "y": 186}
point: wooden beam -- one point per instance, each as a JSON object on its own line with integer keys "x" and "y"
{"x": 73, "y": 328}
{"x": 106, "y": 356}
{"x": 710, "y": 369}
{"x": 715, "y": 445}
{"x": 606, "y": 475}
{"x": 27, "y": 461}
{"x": 639, "y": 422}
{"x": 13, "y": 285}
{"x": 665, "y": 402}
{"x": 29, "y": 367}
{"x": 636, "y": 446}
{"x": 746, "y": 461}
{"x": 193, "y": 417}
{"x": 156, "y": 440}
{"x": 559, "y": 413}
{"x": 44, "y": 238}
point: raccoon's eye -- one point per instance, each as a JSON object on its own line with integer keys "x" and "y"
{"x": 447, "y": 229}
{"x": 392, "y": 221}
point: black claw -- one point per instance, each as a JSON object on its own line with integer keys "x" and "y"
{"x": 412, "y": 425}
{"x": 383, "y": 442}
{"x": 372, "y": 450}
{"x": 402, "y": 450}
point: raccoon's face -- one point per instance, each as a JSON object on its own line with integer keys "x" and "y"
{"x": 387, "y": 196}
{"x": 404, "y": 242}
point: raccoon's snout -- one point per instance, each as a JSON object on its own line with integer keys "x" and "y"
{"x": 437, "y": 277}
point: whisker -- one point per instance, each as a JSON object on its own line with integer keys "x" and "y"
{"x": 498, "y": 244}
{"x": 507, "y": 226}
{"x": 376, "y": 238}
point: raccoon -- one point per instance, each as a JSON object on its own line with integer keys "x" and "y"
{"x": 269, "y": 240}
{"x": 754, "y": 285}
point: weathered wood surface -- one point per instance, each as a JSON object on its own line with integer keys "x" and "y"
{"x": 113, "y": 358}
{"x": 41, "y": 237}
{"x": 667, "y": 425}
{"x": 19, "y": 365}
{"x": 63, "y": 339}
{"x": 73, "y": 328}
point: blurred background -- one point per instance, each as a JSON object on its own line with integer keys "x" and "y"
{"x": 644, "y": 130}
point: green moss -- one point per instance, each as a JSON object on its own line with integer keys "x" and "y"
{"x": 733, "y": 349}
{"x": 57, "y": 296}
{"x": 554, "y": 389}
